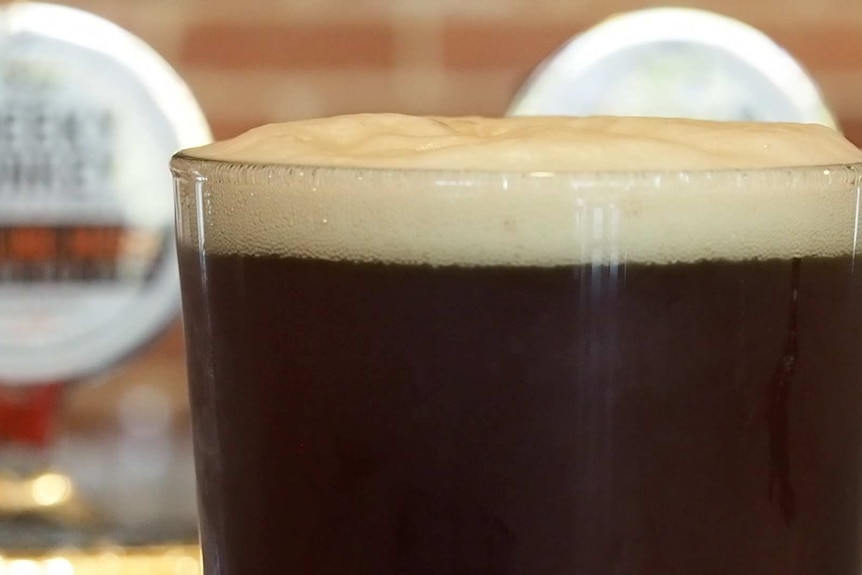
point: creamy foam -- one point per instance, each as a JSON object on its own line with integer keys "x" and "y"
{"x": 537, "y": 191}
{"x": 534, "y": 143}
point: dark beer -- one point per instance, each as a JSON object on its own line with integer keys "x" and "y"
{"x": 391, "y": 419}
{"x": 468, "y": 354}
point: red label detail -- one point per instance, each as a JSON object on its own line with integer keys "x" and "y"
{"x": 27, "y": 413}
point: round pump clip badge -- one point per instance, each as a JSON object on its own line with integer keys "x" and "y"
{"x": 674, "y": 62}
{"x": 89, "y": 117}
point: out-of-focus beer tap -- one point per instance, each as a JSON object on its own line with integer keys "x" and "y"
{"x": 50, "y": 495}
{"x": 89, "y": 116}
{"x": 674, "y": 62}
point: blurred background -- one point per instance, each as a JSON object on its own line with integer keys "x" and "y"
{"x": 267, "y": 60}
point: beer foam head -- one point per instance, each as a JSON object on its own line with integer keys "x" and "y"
{"x": 534, "y": 143}
{"x": 522, "y": 191}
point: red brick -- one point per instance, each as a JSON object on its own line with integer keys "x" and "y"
{"x": 289, "y": 46}
{"x": 223, "y": 128}
{"x": 841, "y": 89}
{"x": 470, "y": 93}
{"x": 852, "y": 130}
{"x": 822, "y": 47}
{"x": 268, "y": 11}
{"x": 170, "y": 343}
{"x": 472, "y": 46}
{"x": 485, "y": 45}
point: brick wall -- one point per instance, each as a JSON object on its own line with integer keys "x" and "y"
{"x": 257, "y": 61}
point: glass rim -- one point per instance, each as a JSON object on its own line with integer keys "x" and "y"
{"x": 183, "y": 164}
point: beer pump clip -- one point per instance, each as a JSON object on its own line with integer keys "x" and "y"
{"x": 674, "y": 62}
{"x": 89, "y": 116}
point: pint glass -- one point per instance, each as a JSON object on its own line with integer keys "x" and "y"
{"x": 415, "y": 372}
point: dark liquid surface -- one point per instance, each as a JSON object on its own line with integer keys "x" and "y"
{"x": 370, "y": 419}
